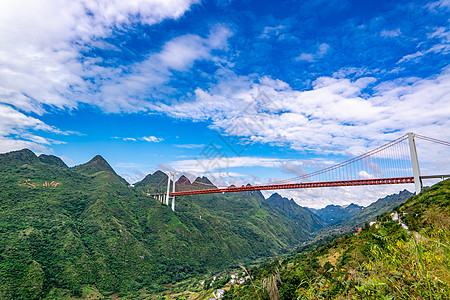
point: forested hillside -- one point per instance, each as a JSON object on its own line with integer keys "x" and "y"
{"x": 405, "y": 255}
{"x": 66, "y": 231}
{"x": 296, "y": 212}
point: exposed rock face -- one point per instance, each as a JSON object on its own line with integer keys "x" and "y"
{"x": 183, "y": 184}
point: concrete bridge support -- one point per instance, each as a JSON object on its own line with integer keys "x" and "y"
{"x": 415, "y": 162}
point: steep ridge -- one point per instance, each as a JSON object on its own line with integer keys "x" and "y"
{"x": 52, "y": 160}
{"x": 300, "y": 214}
{"x": 66, "y": 229}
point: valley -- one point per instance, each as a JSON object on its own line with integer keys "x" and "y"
{"x": 73, "y": 232}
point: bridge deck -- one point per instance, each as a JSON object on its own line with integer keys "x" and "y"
{"x": 399, "y": 180}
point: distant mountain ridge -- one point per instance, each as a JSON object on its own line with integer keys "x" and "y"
{"x": 365, "y": 215}
{"x": 332, "y": 214}
{"x": 377, "y": 208}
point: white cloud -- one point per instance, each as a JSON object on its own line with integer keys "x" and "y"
{"x": 16, "y": 128}
{"x": 134, "y": 89}
{"x": 365, "y": 175}
{"x": 439, "y": 5}
{"x": 40, "y": 51}
{"x": 269, "y": 32}
{"x": 42, "y": 40}
{"x": 225, "y": 162}
{"x": 390, "y": 33}
{"x": 152, "y": 139}
{"x": 190, "y": 146}
{"x": 327, "y": 118}
{"x": 442, "y": 36}
{"x": 322, "y": 50}
{"x": 333, "y": 116}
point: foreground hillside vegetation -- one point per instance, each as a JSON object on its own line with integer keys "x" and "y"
{"x": 408, "y": 258}
{"x": 69, "y": 232}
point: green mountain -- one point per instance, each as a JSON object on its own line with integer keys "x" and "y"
{"x": 365, "y": 215}
{"x": 379, "y": 207}
{"x": 154, "y": 183}
{"x": 299, "y": 214}
{"x": 99, "y": 166}
{"x": 396, "y": 258}
{"x": 52, "y": 160}
{"x": 67, "y": 231}
{"x": 332, "y": 214}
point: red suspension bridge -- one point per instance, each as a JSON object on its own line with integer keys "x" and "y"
{"x": 393, "y": 163}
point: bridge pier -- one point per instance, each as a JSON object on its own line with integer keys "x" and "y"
{"x": 415, "y": 162}
{"x": 165, "y": 198}
{"x": 173, "y": 191}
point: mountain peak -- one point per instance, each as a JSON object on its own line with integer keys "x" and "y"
{"x": 98, "y": 159}
{"x": 296, "y": 212}
{"x": 24, "y": 156}
{"x": 275, "y": 196}
{"x": 152, "y": 180}
{"x": 201, "y": 183}
{"x": 183, "y": 180}
{"x": 203, "y": 179}
{"x": 98, "y": 164}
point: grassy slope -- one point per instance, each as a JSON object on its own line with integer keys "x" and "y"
{"x": 93, "y": 231}
{"x": 382, "y": 262}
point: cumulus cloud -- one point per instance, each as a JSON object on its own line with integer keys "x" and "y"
{"x": 136, "y": 88}
{"x": 41, "y": 44}
{"x": 322, "y": 50}
{"x": 41, "y": 60}
{"x": 152, "y": 139}
{"x": 332, "y": 115}
{"x": 365, "y": 175}
{"x": 15, "y": 128}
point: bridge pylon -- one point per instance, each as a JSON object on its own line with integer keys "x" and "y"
{"x": 169, "y": 176}
{"x": 415, "y": 162}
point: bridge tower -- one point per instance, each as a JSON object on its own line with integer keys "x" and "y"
{"x": 169, "y": 176}
{"x": 166, "y": 201}
{"x": 173, "y": 191}
{"x": 415, "y": 162}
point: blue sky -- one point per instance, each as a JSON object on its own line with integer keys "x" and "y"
{"x": 276, "y": 87}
